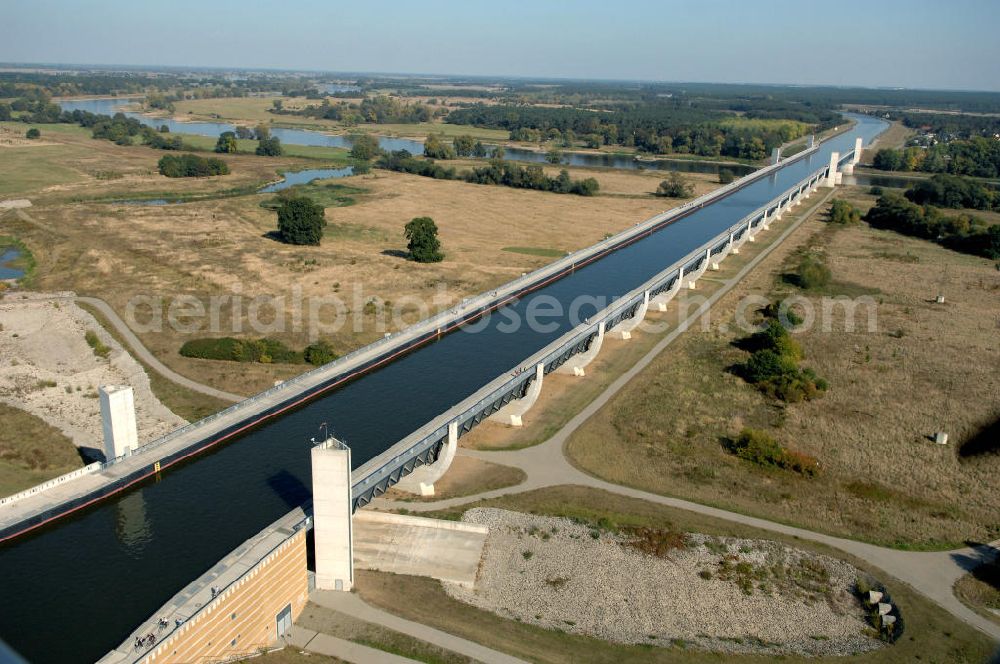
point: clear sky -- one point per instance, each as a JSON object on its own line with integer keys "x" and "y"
{"x": 905, "y": 43}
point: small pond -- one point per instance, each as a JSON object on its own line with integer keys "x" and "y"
{"x": 7, "y": 256}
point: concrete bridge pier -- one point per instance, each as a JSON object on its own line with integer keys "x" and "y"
{"x": 575, "y": 365}
{"x": 692, "y": 280}
{"x": 421, "y": 480}
{"x": 743, "y": 238}
{"x": 332, "y": 513}
{"x": 775, "y": 155}
{"x": 855, "y": 158}
{"x": 626, "y": 327}
{"x": 663, "y": 299}
{"x": 831, "y": 176}
{"x": 513, "y": 412}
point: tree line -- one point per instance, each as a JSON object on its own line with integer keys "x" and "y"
{"x": 497, "y": 172}
{"x": 380, "y": 109}
{"x": 977, "y": 156}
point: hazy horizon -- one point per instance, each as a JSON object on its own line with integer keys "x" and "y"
{"x": 911, "y": 45}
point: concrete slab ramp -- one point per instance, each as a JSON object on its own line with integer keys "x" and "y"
{"x": 402, "y": 544}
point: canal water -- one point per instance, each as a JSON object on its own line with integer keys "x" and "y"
{"x": 7, "y": 257}
{"x": 74, "y": 590}
{"x": 309, "y": 137}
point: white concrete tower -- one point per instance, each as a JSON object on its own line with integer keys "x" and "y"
{"x": 332, "y": 514}
{"x": 775, "y": 155}
{"x": 118, "y": 418}
{"x": 831, "y": 178}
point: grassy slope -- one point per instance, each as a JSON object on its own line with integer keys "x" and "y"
{"x": 31, "y": 451}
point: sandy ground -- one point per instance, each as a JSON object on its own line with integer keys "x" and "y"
{"x": 42, "y": 342}
{"x": 554, "y": 573}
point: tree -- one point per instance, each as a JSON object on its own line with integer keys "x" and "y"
{"x": 245, "y": 133}
{"x": 554, "y": 156}
{"x": 888, "y": 159}
{"x": 276, "y": 104}
{"x": 726, "y": 176}
{"x": 301, "y": 221}
{"x": 675, "y": 186}
{"x": 269, "y": 147}
{"x": 464, "y": 145}
{"x": 422, "y": 240}
{"x": 364, "y": 147}
{"x": 226, "y": 142}
{"x": 191, "y": 166}
{"x": 33, "y": 133}
{"x": 436, "y": 148}
{"x": 5, "y": 112}
{"x": 262, "y": 132}
{"x": 164, "y": 129}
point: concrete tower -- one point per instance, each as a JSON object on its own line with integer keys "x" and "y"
{"x": 332, "y": 514}
{"x": 118, "y": 418}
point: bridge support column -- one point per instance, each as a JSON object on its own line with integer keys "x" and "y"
{"x": 627, "y": 326}
{"x": 421, "y": 480}
{"x": 831, "y": 177}
{"x": 575, "y": 365}
{"x": 775, "y": 155}
{"x": 692, "y": 281}
{"x": 513, "y": 412}
{"x": 332, "y": 514}
{"x": 855, "y": 156}
{"x": 812, "y": 141}
{"x": 663, "y": 299}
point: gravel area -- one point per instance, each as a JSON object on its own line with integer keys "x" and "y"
{"x": 721, "y": 594}
{"x": 49, "y": 370}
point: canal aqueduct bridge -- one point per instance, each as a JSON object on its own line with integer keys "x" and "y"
{"x": 506, "y": 398}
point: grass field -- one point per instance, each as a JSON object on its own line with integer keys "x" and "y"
{"x": 536, "y": 251}
{"x": 31, "y": 451}
{"x": 931, "y": 635}
{"x": 467, "y": 476}
{"x": 219, "y": 242}
{"x": 980, "y": 590}
{"x": 925, "y": 368}
{"x": 893, "y": 137}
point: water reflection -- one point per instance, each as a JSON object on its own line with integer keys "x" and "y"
{"x": 132, "y": 525}
{"x": 8, "y": 256}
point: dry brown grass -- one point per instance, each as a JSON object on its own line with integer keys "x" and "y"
{"x": 467, "y": 476}
{"x": 927, "y": 368}
{"x": 980, "y": 590}
{"x": 894, "y": 137}
{"x": 31, "y": 451}
{"x": 214, "y": 247}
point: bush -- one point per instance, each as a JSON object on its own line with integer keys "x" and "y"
{"x": 842, "y": 212}
{"x": 190, "y": 166}
{"x": 98, "y": 346}
{"x": 812, "y": 273}
{"x": 726, "y": 176}
{"x": 241, "y": 350}
{"x": 33, "y": 133}
{"x": 301, "y": 221}
{"x": 760, "y": 448}
{"x": 319, "y": 353}
{"x": 773, "y": 366}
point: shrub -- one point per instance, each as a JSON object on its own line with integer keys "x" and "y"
{"x": 269, "y": 147}
{"x": 812, "y": 273}
{"x": 319, "y": 353}
{"x": 301, "y": 221}
{"x": 241, "y": 350}
{"x": 842, "y": 212}
{"x": 773, "y": 366}
{"x": 726, "y": 176}
{"x": 33, "y": 133}
{"x": 98, "y": 346}
{"x": 760, "y": 448}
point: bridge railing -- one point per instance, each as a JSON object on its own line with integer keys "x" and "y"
{"x": 377, "y": 474}
{"x": 491, "y": 299}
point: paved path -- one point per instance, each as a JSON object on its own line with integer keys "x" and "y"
{"x": 933, "y": 573}
{"x": 353, "y": 605}
{"x": 142, "y": 353}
